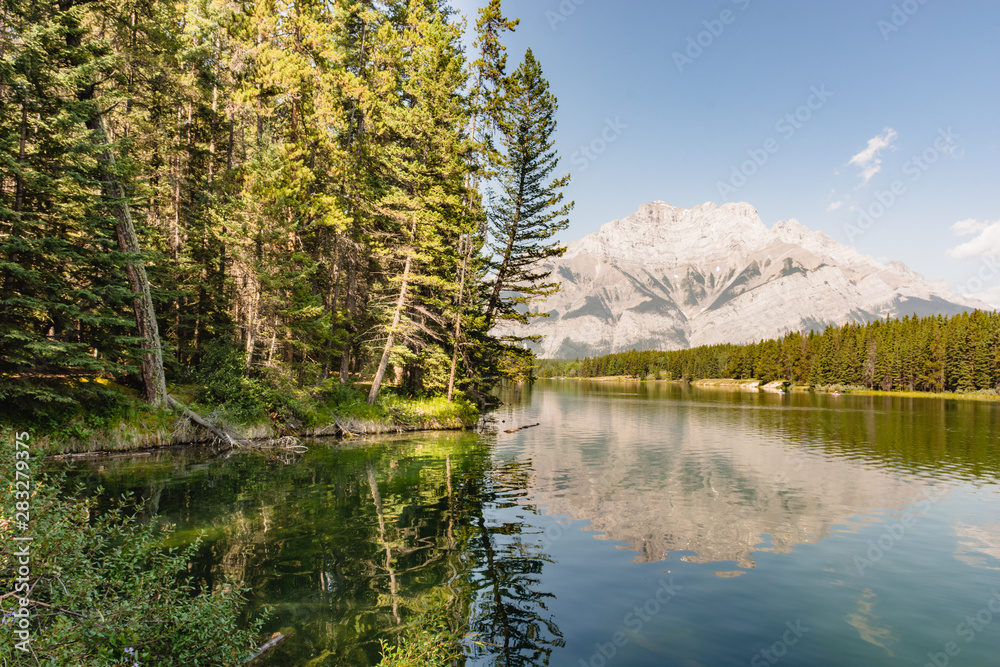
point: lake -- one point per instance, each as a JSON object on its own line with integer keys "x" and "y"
{"x": 638, "y": 524}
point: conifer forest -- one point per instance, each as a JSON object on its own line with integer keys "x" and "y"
{"x": 290, "y": 194}
{"x": 933, "y": 354}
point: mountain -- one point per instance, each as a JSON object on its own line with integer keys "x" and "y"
{"x": 668, "y": 278}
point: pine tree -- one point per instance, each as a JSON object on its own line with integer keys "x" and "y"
{"x": 933, "y": 378}
{"x": 489, "y": 71}
{"x": 528, "y": 210}
{"x": 965, "y": 349}
{"x": 68, "y": 237}
{"x": 984, "y": 351}
{"x": 421, "y": 133}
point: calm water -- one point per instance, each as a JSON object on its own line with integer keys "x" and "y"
{"x": 638, "y": 525}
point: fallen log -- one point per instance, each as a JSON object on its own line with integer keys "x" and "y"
{"x": 222, "y": 434}
{"x": 521, "y": 428}
{"x": 275, "y": 639}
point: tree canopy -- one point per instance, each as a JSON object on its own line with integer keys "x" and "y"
{"x": 303, "y": 179}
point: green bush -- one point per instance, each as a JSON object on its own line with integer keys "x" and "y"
{"x": 249, "y": 397}
{"x": 223, "y": 382}
{"x": 426, "y": 641}
{"x": 103, "y": 591}
{"x": 67, "y": 407}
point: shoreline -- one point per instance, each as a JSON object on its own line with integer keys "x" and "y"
{"x": 755, "y": 385}
{"x": 265, "y": 442}
{"x": 329, "y": 432}
{"x": 151, "y": 430}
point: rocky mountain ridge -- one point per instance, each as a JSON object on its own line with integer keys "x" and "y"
{"x": 670, "y": 278}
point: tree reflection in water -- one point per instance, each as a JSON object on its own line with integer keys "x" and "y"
{"x": 345, "y": 544}
{"x": 510, "y": 615}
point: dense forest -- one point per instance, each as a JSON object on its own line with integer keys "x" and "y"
{"x": 290, "y": 193}
{"x": 961, "y": 354}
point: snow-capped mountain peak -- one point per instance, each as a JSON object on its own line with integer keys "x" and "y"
{"x": 668, "y": 277}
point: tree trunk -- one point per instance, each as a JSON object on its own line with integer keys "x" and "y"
{"x": 215, "y": 107}
{"x": 377, "y": 498}
{"x": 333, "y": 300}
{"x": 18, "y": 179}
{"x": 397, "y": 315}
{"x": 508, "y": 253}
{"x": 345, "y": 357}
{"x": 145, "y": 314}
{"x": 128, "y": 242}
{"x": 458, "y": 319}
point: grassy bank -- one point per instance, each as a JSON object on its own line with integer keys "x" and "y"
{"x": 987, "y": 395}
{"x": 125, "y": 424}
{"x": 754, "y": 385}
{"x": 728, "y": 383}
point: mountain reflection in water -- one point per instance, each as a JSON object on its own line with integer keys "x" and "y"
{"x": 348, "y": 542}
{"x": 710, "y": 477}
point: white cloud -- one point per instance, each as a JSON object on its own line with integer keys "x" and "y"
{"x": 968, "y": 226}
{"x": 990, "y": 296}
{"x": 869, "y": 160}
{"x": 986, "y": 243}
{"x": 834, "y": 205}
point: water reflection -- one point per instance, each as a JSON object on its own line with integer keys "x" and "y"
{"x": 348, "y": 541}
{"x": 510, "y": 615}
{"x": 722, "y": 475}
{"x": 344, "y": 544}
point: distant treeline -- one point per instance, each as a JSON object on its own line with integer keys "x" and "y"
{"x": 961, "y": 353}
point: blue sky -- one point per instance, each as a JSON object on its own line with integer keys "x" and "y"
{"x": 875, "y": 121}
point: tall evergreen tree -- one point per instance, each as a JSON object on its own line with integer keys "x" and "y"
{"x": 68, "y": 238}
{"x": 420, "y": 125}
{"x": 488, "y": 73}
{"x": 933, "y": 378}
{"x": 528, "y": 209}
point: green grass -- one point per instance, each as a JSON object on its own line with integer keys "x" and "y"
{"x": 987, "y": 395}
{"x": 349, "y": 408}
{"x": 126, "y": 424}
{"x": 95, "y": 411}
{"x": 725, "y": 382}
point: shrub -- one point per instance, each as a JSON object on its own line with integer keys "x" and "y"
{"x": 103, "y": 591}
{"x": 224, "y": 382}
{"x": 426, "y": 641}
{"x": 69, "y": 407}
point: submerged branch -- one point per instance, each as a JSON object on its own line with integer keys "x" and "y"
{"x": 273, "y": 642}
